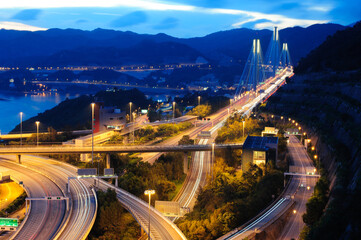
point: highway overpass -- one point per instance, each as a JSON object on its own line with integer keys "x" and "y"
{"x": 112, "y": 149}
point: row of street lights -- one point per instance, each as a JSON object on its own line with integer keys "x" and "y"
{"x": 21, "y": 130}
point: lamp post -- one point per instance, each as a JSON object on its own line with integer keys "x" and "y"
{"x": 93, "y": 104}
{"x": 173, "y": 111}
{"x": 199, "y": 100}
{"x": 130, "y": 118}
{"x": 37, "y": 133}
{"x": 21, "y": 128}
{"x": 243, "y": 127}
{"x": 149, "y": 193}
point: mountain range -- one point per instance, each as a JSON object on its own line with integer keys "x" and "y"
{"x": 100, "y": 47}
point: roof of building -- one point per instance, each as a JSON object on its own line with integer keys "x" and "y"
{"x": 259, "y": 143}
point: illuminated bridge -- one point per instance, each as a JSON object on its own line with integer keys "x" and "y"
{"x": 113, "y": 149}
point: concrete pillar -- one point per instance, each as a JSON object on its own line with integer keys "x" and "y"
{"x": 116, "y": 182}
{"x": 19, "y": 158}
{"x": 185, "y": 162}
{"x": 107, "y": 164}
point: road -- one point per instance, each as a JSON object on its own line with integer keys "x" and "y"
{"x": 162, "y": 228}
{"x": 80, "y": 219}
{"x": 295, "y": 224}
{"x": 296, "y": 191}
{"x": 45, "y": 217}
{"x": 110, "y": 149}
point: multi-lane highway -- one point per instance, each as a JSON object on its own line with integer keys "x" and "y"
{"x": 299, "y": 189}
{"x": 45, "y": 217}
{"x": 75, "y": 223}
{"x": 83, "y": 210}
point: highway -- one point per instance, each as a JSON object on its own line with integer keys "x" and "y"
{"x": 295, "y": 224}
{"x": 162, "y": 228}
{"x": 296, "y": 191}
{"x": 80, "y": 219}
{"x": 45, "y": 217}
{"x": 56, "y": 149}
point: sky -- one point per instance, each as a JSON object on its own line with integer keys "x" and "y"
{"x": 179, "y": 18}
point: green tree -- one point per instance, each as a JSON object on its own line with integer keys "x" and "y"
{"x": 201, "y": 111}
{"x": 186, "y": 140}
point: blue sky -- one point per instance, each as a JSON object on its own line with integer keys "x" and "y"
{"x": 180, "y": 18}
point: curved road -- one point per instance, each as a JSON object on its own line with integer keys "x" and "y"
{"x": 80, "y": 219}
{"x": 297, "y": 189}
{"x": 45, "y": 217}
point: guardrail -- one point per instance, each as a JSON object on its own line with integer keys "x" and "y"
{"x": 108, "y": 149}
{"x": 26, "y": 216}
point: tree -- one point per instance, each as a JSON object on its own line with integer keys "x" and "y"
{"x": 201, "y": 111}
{"x": 186, "y": 140}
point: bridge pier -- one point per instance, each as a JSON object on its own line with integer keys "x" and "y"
{"x": 107, "y": 160}
{"x": 18, "y": 157}
{"x": 185, "y": 162}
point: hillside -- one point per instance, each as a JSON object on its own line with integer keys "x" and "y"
{"x": 341, "y": 52}
{"x": 75, "y": 114}
{"x": 328, "y": 107}
{"x": 103, "y": 47}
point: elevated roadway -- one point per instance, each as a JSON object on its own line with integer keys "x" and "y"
{"x": 112, "y": 149}
{"x": 299, "y": 190}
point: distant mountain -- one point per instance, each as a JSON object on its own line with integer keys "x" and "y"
{"x": 340, "y": 52}
{"x": 145, "y": 52}
{"x": 104, "y": 47}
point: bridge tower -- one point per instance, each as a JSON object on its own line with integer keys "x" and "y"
{"x": 285, "y": 58}
{"x": 253, "y": 73}
{"x": 273, "y": 54}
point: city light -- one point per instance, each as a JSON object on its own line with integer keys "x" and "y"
{"x": 37, "y": 133}
{"x": 149, "y": 192}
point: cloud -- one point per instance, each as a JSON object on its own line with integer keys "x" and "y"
{"x": 324, "y": 8}
{"x": 81, "y": 21}
{"x": 130, "y": 19}
{"x": 271, "y": 20}
{"x": 27, "y": 14}
{"x": 19, "y": 26}
{"x": 167, "y": 23}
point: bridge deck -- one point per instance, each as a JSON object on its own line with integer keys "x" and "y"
{"x": 113, "y": 149}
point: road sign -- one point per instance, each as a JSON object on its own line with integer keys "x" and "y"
{"x": 87, "y": 172}
{"x": 108, "y": 171}
{"x": 9, "y": 222}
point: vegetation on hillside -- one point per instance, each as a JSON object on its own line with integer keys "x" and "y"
{"x": 113, "y": 221}
{"x": 341, "y": 52}
{"x": 75, "y": 114}
{"x": 329, "y": 104}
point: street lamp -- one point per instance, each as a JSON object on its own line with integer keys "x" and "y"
{"x": 37, "y": 133}
{"x": 131, "y": 118}
{"x": 21, "y": 128}
{"x": 315, "y": 157}
{"x": 199, "y": 100}
{"x": 243, "y": 127}
{"x": 93, "y": 104}
{"x": 173, "y": 111}
{"x": 149, "y": 193}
